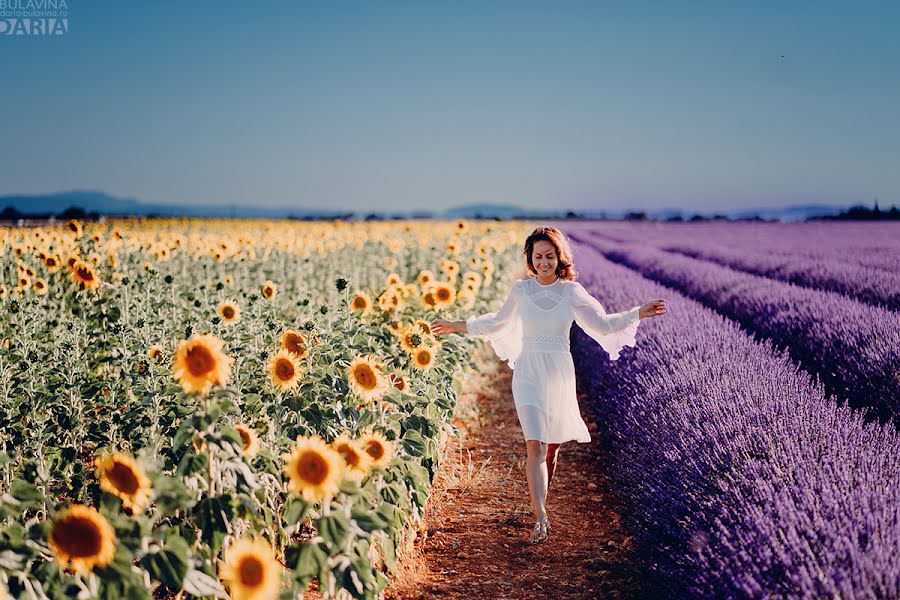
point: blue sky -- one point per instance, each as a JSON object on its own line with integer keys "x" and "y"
{"x": 402, "y": 105}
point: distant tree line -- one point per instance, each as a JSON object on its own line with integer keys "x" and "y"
{"x": 861, "y": 213}
{"x": 856, "y": 213}
{"x": 73, "y": 212}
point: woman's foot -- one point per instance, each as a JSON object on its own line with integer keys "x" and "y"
{"x": 541, "y": 531}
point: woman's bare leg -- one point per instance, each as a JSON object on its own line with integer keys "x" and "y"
{"x": 552, "y": 455}
{"x": 536, "y": 472}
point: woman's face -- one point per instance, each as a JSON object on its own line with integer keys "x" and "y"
{"x": 544, "y": 258}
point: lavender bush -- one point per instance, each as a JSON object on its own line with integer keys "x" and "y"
{"x": 871, "y": 245}
{"x": 740, "y": 477}
{"x": 853, "y": 347}
{"x": 866, "y": 284}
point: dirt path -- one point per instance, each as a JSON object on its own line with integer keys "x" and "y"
{"x": 479, "y": 517}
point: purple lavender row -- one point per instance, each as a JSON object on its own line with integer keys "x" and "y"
{"x": 739, "y": 477}
{"x": 852, "y": 347}
{"x": 869, "y": 245}
{"x": 868, "y": 285}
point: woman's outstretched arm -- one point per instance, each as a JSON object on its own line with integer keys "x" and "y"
{"x": 613, "y": 331}
{"x": 486, "y": 325}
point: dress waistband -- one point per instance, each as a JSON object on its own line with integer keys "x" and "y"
{"x": 545, "y": 343}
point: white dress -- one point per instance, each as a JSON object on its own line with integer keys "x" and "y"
{"x": 531, "y": 332}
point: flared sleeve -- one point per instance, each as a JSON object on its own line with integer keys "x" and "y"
{"x": 612, "y": 331}
{"x": 503, "y": 329}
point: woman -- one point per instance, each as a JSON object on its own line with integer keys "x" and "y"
{"x": 531, "y": 332}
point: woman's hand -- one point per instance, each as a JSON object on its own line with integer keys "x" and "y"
{"x": 443, "y": 327}
{"x": 653, "y": 309}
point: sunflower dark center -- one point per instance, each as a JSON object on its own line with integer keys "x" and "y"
{"x": 294, "y": 344}
{"x": 312, "y": 468}
{"x": 364, "y": 376}
{"x": 245, "y": 437}
{"x": 284, "y": 369}
{"x": 77, "y": 536}
{"x": 251, "y": 571}
{"x": 200, "y": 361}
{"x": 123, "y": 478}
{"x": 374, "y": 449}
{"x": 350, "y": 455}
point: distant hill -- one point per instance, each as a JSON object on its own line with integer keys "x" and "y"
{"x": 99, "y": 203}
{"x": 102, "y": 203}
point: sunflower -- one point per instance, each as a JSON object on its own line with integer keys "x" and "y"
{"x": 391, "y": 299}
{"x": 74, "y": 227}
{"x": 156, "y": 354}
{"x": 361, "y": 302}
{"x": 269, "y": 290}
{"x": 379, "y": 449}
{"x": 366, "y": 378}
{"x": 429, "y": 301}
{"x": 314, "y": 470}
{"x": 450, "y": 268}
{"x": 40, "y": 286}
{"x": 228, "y": 280}
{"x": 230, "y": 312}
{"x": 444, "y": 294}
{"x": 284, "y": 369}
{"x": 248, "y": 439}
{"x": 400, "y": 381}
{"x": 393, "y": 279}
{"x": 24, "y": 283}
{"x": 395, "y": 327}
{"x": 424, "y": 326}
{"x": 355, "y": 458}
{"x": 294, "y": 342}
{"x": 4, "y": 292}
{"x": 200, "y": 363}
{"x": 251, "y": 571}
{"x": 53, "y": 263}
{"x": 425, "y": 277}
{"x": 423, "y": 358}
{"x": 411, "y": 339}
{"x": 83, "y": 538}
{"x": 121, "y": 476}
{"x": 83, "y": 274}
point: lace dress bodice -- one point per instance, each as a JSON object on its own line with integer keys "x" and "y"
{"x": 536, "y": 317}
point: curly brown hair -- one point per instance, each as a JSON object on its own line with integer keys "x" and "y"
{"x": 565, "y": 268}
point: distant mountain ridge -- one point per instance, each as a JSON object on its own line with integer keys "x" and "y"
{"x": 99, "y": 202}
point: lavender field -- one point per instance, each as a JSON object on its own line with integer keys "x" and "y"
{"x": 752, "y": 430}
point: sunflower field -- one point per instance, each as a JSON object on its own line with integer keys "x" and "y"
{"x": 228, "y": 408}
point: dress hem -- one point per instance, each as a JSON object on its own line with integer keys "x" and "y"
{"x": 580, "y": 441}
